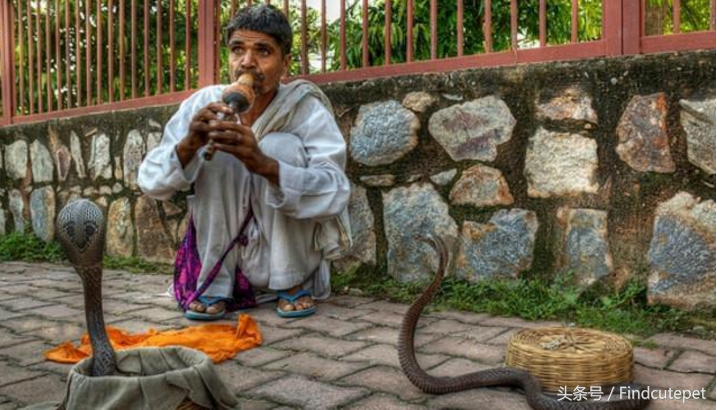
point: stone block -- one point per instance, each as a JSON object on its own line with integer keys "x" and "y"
{"x": 384, "y": 133}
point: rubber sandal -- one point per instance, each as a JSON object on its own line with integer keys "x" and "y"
{"x": 208, "y": 301}
{"x": 292, "y": 299}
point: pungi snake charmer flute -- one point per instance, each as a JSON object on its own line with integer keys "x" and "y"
{"x": 240, "y": 97}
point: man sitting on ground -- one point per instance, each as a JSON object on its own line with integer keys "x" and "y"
{"x": 284, "y": 160}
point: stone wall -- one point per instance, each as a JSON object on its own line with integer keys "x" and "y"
{"x": 603, "y": 170}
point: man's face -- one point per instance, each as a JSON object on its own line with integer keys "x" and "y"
{"x": 259, "y": 54}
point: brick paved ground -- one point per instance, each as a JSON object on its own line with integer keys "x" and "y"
{"x": 342, "y": 357}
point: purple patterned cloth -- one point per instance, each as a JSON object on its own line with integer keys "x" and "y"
{"x": 188, "y": 266}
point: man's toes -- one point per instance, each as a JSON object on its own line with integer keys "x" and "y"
{"x": 197, "y": 307}
{"x": 215, "y": 308}
{"x": 287, "y": 307}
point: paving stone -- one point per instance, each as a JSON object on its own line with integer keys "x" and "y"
{"x": 666, "y": 379}
{"x": 24, "y": 304}
{"x": 315, "y": 367}
{"x": 300, "y": 391}
{"x": 8, "y": 338}
{"x": 690, "y": 404}
{"x": 481, "y": 333}
{"x": 133, "y": 326}
{"x": 691, "y": 361}
{"x": 349, "y": 301}
{"x": 265, "y": 314}
{"x": 46, "y": 388}
{"x": 480, "y": 399}
{"x": 385, "y": 379}
{"x": 18, "y": 289}
{"x": 340, "y": 312}
{"x": 43, "y": 293}
{"x": 384, "y": 306}
{"x": 241, "y": 378}
{"x": 24, "y": 324}
{"x": 275, "y": 334}
{"x": 12, "y": 373}
{"x": 389, "y": 335}
{"x": 446, "y": 327}
{"x": 385, "y": 319}
{"x": 681, "y": 342}
{"x": 652, "y": 357}
{"x": 460, "y": 347}
{"x": 46, "y": 366}
{"x": 58, "y": 311}
{"x": 381, "y": 401}
{"x": 259, "y": 356}
{"x": 156, "y": 314}
{"x": 6, "y": 314}
{"x": 388, "y": 355}
{"x": 249, "y": 404}
{"x": 61, "y": 332}
{"x": 333, "y": 327}
{"x": 458, "y": 367}
{"x": 117, "y": 307}
{"x": 323, "y": 346}
{"x": 27, "y": 353}
{"x": 503, "y": 338}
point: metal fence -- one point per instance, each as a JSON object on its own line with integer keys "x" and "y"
{"x": 70, "y": 57}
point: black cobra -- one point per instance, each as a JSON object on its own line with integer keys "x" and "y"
{"x": 80, "y": 229}
{"x": 501, "y": 376}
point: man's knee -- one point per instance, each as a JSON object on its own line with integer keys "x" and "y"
{"x": 284, "y": 147}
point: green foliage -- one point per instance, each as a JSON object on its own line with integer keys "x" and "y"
{"x": 135, "y": 265}
{"x": 30, "y": 248}
{"x": 624, "y": 311}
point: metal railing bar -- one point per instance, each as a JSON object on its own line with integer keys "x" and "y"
{"x": 487, "y": 27}
{"x": 364, "y": 34}
{"x": 172, "y": 62}
{"x": 409, "y": 32}
{"x": 434, "y": 29}
{"x": 459, "y": 27}
{"x": 387, "y": 33}
{"x": 58, "y": 59}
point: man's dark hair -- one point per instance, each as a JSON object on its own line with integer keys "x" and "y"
{"x": 265, "y": 19}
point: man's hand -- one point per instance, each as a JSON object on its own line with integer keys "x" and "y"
{"x": 199, "y": 130}
{"x": 239, "y": 141}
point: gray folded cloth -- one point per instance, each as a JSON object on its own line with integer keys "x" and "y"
{"x": 148, "y": 379}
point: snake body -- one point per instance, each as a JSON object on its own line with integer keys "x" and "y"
{"x": 80, "y": 230}
{"x": 502, "y": 376}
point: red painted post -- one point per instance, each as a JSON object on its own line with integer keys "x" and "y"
{"x": 676, "y": 16}
{"x": 459, "y": 28}
{"x": 364, "y": 36}
{"x": 387, "y": 33}
{"x": 343, "y": 35}
{"x": 206, "y": 52}
{"x": 541, "y": 18}
{"x": 612, "y": 27}
{"x": 434, "y": 29}
{"x": 409, "y": 31}
{"x": 7, "y": 62}
{"x": 487, "y": 27}
{"x": 631, "y": 20}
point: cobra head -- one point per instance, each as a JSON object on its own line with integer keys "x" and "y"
{"x": 80, "y": 227}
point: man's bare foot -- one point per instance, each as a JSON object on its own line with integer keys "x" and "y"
{"x": 304, "y": 302}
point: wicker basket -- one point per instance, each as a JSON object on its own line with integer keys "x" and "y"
{"x": 570, "y": 357}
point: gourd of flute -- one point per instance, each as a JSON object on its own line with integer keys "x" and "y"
{"x": 239, "y": 95}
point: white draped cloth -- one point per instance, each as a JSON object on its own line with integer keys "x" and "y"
{"x": 299, "y": 226}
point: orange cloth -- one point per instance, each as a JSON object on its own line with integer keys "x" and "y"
{"x": 219, "y": 342}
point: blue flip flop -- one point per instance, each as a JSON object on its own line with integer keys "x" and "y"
{"x": 292, "y": 299}
{"x": 208, "y": 301}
